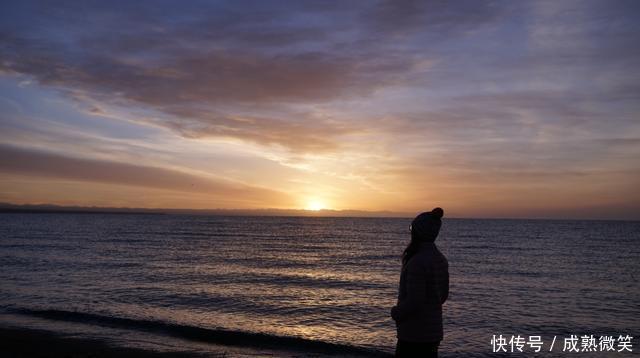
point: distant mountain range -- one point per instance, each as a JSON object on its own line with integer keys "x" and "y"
{"x": 50, "y": 208}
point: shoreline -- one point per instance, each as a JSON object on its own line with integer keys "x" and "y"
{"x": 28, "y": 342}
{"x": 215, "y": 340}
{"x": 18, "y": 342}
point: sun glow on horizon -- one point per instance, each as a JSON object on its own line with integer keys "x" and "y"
{"x": 315, "y": 205}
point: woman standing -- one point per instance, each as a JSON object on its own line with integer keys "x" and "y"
{"x": 424, "y": 287}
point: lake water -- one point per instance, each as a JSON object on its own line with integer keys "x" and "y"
{"x": 323, "y": 281}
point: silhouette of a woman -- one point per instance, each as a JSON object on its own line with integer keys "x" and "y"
{"x": 424, "y": 287}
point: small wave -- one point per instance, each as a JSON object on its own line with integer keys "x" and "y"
{"x": 469, "y": 236}
{"x": 216, "y": 336}
{"x": 477, "y": 247}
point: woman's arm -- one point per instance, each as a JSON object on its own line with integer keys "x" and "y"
{"x": 445, "y": 284}
{"x": 416, "y": 294}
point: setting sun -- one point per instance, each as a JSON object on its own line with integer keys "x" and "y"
{"x": 315, "y": 205}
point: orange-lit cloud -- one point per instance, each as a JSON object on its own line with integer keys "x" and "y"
{"x": 17, "y": 161}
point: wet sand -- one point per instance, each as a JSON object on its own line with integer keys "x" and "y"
{"x": 38, "y": 343}
{"x": 18, "y": 342}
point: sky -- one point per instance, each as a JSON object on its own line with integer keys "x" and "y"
{"x": 484, "y": 108}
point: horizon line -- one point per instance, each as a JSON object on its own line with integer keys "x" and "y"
{"x": 257, "y": 212}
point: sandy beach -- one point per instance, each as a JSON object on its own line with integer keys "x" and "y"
{"x": 18, "y": 342}
{"x": 40, "y": 343}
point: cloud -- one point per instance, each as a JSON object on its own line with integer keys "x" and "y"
{"x": 210, "y": 65}
{"x": 191, "y": 90}
{"x": 393, "y": 17}
{"x": 20, "y": 161}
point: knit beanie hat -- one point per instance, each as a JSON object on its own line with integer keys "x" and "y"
{"x": 426, "y": 226}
